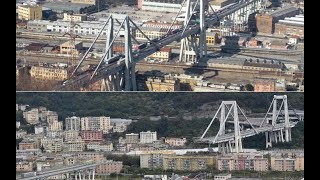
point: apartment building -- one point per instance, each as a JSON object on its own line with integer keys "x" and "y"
{"x": 52, "y": 145}
{"x": 175, "y": 141}
{"x": 92, "y": 135}
{"x": 30, "y": 12}
{"x": 108, "y": 167}
{"x": 132, "y": 138}
{"x": 153, "y": 159}
{"x": 32, "y": 116}
{"x": 242, "y": 161}
{"x": 191, "y": 162}
{"x": 148, "y": 137}
{"x": 72, "y": 123}
{"x": 96, "y": 123}
{"x": 75, "y": 145}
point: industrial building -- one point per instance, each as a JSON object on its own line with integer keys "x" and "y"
{"x": 82, "y": 28}
{"x": 74, "y": 17}
{"x": 70, "y": 47}
{"x": 41, "y": 73}
{"x": 160, "y": 5}
{"x": 266, "y": 21}
{"x": 291, "y": 26}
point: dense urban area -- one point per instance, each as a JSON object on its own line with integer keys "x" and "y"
{"x": 155, "y": 136}
{"x": 160, "y": 45}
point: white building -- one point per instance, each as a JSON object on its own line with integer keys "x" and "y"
{"x": 82, "y": 28}
{"x": 38, "y": 129}
{"x": 20, "y": 134}
{"x": 32, "y": 116}
{"x": 96, "y": 123}
{"x": 120, "y": 125}
{"x": 148, "y": 137}
{"x": 17, "y": 124}
{"x": 72, "y": 123}
{"x": 176, "y": 141}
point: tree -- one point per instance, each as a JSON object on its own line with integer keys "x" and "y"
{"x": 249, "y": 87}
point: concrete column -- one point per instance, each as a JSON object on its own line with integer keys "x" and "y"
{"x": 93, "y": 172}
{"x": 268, "y": 140}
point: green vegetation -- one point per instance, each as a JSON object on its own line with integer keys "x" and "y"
{"x": 126, "y": 105}
{"x": 143, "y": 105}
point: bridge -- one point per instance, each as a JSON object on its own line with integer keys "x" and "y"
{"x": 77, "y": 172}
{"x": 118, "y": 70}
{"x": 277, "y": 128}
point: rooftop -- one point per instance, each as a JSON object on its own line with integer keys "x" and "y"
{"x": 283, "y": 11}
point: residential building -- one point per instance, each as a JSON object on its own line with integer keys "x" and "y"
{"x": 52, "y": 145}
{"x": 92, "y": 135}
{"x": 95, "y": 156}
{"x": 132, "y": 138}
{"x": 96, "y": 123}
{"x": 148, "y": 137}
{"x": 55, "y": 134}
{"x": 51, "y": 116}
{"x": 26, "y": 144}
{"x": 121, "y": 147}
{"x": 266, "y": 21}
{"x": 72, "y": 123}
{"x": 30, "y": 12}
{"x": 120, "y": 125}
{"x": 74, "y": 17}
{"x": 70, "y": 135}
{"x": 20, "y": 134}
{"x": 163, "y": 55}
{"x": 97, "y": 146}
{"x": 44, "y": 74}
{"x": 56, "y": 126}
{"x": 32, "y": 116}
{"x": 108, "y": 167}
{"x": 189, "y": 162}
{"x": 75, "y": 145}
{"x": 24, "y": 166}
{"x": 242, "y": 161}
{"x": 70, "y": 47}
{"x": 175, "y": 141}
{"x": 38, "y": 129}
{"x": 153, "y": 159}
{"x": 286, "y": 161}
